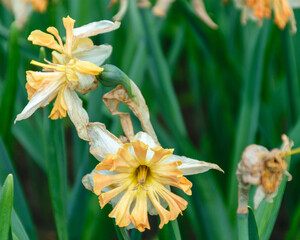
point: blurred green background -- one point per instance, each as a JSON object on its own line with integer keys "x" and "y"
{"x": 210, "y": 94}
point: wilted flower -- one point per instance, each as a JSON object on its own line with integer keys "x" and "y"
{"x": 264, "y": 169}
{"x": 75, "y": 65}
{"x": 161, "y": 8}
{"x": 22, "y": 8}
{"x": 260, "y": 9}
{"x": 136, "y": 177}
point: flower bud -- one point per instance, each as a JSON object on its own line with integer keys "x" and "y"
{"x": 113, "y": 76}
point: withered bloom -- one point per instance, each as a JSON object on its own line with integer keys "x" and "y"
{"x": 264, "y": 169}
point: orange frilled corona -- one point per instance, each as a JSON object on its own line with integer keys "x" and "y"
{"x": 135, "y": 177}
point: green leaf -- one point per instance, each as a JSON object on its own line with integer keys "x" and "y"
{"x": 20, "y": 204}
{"x": 252, "y": 227}
{"x": 6, "y": 205}
{"x": 242, "y": 224}
{"x": 9, "y": 90}
{"x": 17, "y": 228}
{"x": 56, "y": 173}
{"x": 249, "y": 109}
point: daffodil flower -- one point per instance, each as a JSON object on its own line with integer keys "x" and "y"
{"x": 21, "y": 9}
{"x": 161, "y": 7}
{"x": 260, "y": 9}
{"x": 75, "y": 65}
{"x": 135, "y": 177}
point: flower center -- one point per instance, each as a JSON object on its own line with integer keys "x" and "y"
{"x": 141, "y": 173}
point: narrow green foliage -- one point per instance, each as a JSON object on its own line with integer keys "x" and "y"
{"x": 292, "y": 75}
{"x": 57, "y": 175}
{"x": 160, "y": 65}
{"x": 252, "y": 227}
{"x": 242, "y": 225}
{"x": 6, "y": 205}
{"x": 8, "y": 95}
{"x": 20, "y": 204}
{"x": 249, "y": 111}
{"x": 17, "y": 228}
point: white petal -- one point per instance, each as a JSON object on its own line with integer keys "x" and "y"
{"x": 95, "y": 28}
{"x": 294, "y": 3}
{"x": 94, "y": 54}
{"x": 50, "y": 86}
{"x": 102, "y": 141}
{"x": 259, "y": 196}
{"x": 77, "y": 113}
{"x": 191, "y": 166}
{"x": 145, "y": 138}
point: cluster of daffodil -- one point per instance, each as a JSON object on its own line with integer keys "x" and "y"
{"x": 251, "y": 9}
{"x": 135, "y": 173}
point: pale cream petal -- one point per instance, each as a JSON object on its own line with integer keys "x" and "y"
{"x": 102, "y": 141}
{"x": 86, "y": 83}
{"x": 95, "y": 28}
{"x": 44, "y": 93}
{"x": 94, "y": 54}
{"x": 77, "y": 113}
{"x": 122, "y": 10}
{"x": 20, "y": 9}
{"x": 259, "y": 196}
{"x": 191, "y": 166}
{"x": 161, "y": 7}
{"x": 202, "y": 13}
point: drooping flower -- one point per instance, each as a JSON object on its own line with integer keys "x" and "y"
{"x": 260, "y": 9}
{"x": 161, "y": 7}
{"x": 264, "y": 169}
{"x": 21, "y": 9}
{"x": 135, "y": 177}
{"x": 75, "y": 65}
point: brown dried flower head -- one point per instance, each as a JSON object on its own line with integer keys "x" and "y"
{"x": 264, "y": 169}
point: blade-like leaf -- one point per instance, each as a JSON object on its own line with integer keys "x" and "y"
{"x": 6, "y": 204}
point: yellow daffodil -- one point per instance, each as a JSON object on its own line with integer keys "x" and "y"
{"x": 260, "y": 9}
{"x": 75, "y": 65}
{"x": 38, "y": 5}
{"x": 161, "y": 7}
{"x": 135, "y": 177}
{"x": 264, "y": 169}
{"x": 21, "y": 9}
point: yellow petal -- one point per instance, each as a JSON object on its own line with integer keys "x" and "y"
{"x": 87, "y": 67}
{"x": 139, "y": 215}
{"x": 104, "y": 198}
{"x": 282, "y": 12}
{"x": 102, "y": 181}
{"x": 121, "y": 210}
{"x": 163, "y": 213}
{"x": 160, "y": 154}
{"x": 55, "y": 33}
{"x": 69, "y": 26}
{"x": 45, "y": 40}
{"x": 59, "y": 108}
{"x": 38, "y": 5}
{"x": 140, "y": 150}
